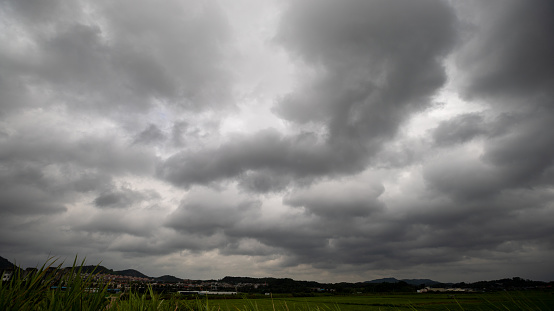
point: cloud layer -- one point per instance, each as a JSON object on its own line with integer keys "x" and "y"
{"x": 311, "y": 139}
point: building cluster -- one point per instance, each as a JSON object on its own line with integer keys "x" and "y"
{"x": 115, "y": 279}
{"x": 215, "y": 286}
{"x": 6, "y": 274}
{"x": 443, "y": 290}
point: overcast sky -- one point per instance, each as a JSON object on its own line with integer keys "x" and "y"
{"x": 316, "y": 139}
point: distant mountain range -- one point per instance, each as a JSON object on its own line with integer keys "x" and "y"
{"x": 132, "y": 273}
{"x": 5, "y": 264}
{"x": 425, "y": 282}
{"x": 168, "y": 279}
{"x": 290, "y": 285}
{"x": 104, "y": 270}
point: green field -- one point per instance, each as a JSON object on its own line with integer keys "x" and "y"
{"x": 531, "y": 300}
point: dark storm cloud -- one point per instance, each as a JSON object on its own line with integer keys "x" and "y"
{"x": 74, "y": 58}
{"x": 263, "y": 181}
{"x": 151, "y": 134}
{"x": 486, "y": 225}
{"x": 510, "y": 55}
{"x": 44, "y": 186}
{"x": 377, "y": 61}
{"x": 177, "y": 132}
{"x": 175, "y": 51}
{"x": 371, "y": 56}
{"x": 462, "y": 178}
{"x": 27, "y": 190}
{"x": 117, "y": 222}
{"x": 123, "y": 198}
{"x": 139, "y": 52}
{"x": 44, "y": 174}
{"x": 100, "y": 99}
{"x": 327, "y": 240}
{"x": 524, "y": 150}
{"x": 108, "y": 199}
{"x": 51, "y": 146}
{"x": 292, "y": 236}
{"x": 517, "y": 156}
{"x": 208, "y": 217}
{"x": 300, "y": 156}
{"x": 21, "y": 199}
{"x": 338, "y": 200}
{"x": 487, "y": 204}
{"x": 86, "y": 182}
{"x": 428, "y": 233}
{"x": 459, "y": 129}
{"x": 74, "y": 73}
{"x": 303, "y": 238}
{"x": 518, "y": 153}
{"x": 366, "y": 83}
{"x": 47, "y": 11}
{"x": 514, "y": 75}
{"x": 327, "y": 231}
{"x": 399, "y": 153}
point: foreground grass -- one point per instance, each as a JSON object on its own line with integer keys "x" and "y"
{"x": 53, "y": 288}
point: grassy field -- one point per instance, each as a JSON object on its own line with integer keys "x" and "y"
{"x": 531, "y": 300}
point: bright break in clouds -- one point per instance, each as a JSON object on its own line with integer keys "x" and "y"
{"x": 320, "y": 140}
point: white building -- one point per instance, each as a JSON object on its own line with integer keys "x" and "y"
{"x": 6, "y": 274}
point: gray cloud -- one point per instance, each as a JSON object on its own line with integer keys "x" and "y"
{"x": 461, "y": 178}
{"x": 338, "y": 200}
{"x": 41, "y": 12}
{"x": 459, "y": 129}
{"x": 177, "y": 132}
{"x": 524, "y": 150}
{"x": 122, "y": 137}
{"x": 116, "y": 223}
{"x": 485, "y": 225}
{"x": 110, "y": 199}
{"x": 86, "y": 182}
{"x": 118, "y": 63}
{"x": 204, "y": 217}
{"x": 516, "y": 151}
{"x": 175, "y": 51}
{"x": 263, "y": 181}
{"x": 151, "y": 134}
{"x": 27, "y": 190}
{"x": 72, "y": 70}
{"x": 390, "y": 62}
{"x": 373, "y": 56}
{"x": 123, "y": 198}
{"x": 510, "y": 57}
{"x": 300, "y": 156}
{"x": 53, "y": 147}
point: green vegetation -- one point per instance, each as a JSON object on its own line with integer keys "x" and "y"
{"x": 53, "y": 288}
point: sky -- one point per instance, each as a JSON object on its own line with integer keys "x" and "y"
{"x": 332, "y": 141}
